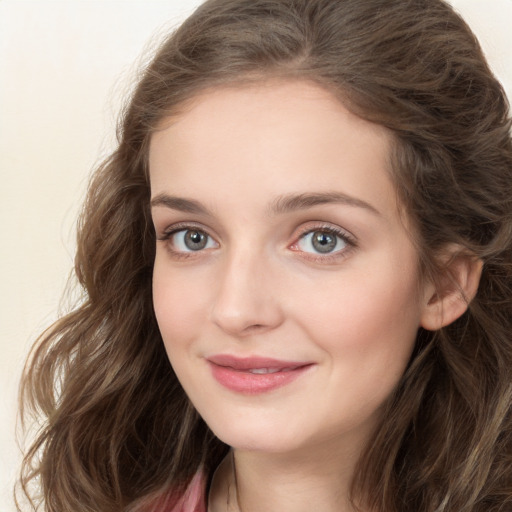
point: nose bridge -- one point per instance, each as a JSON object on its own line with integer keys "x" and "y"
{"x": 245, "y": 298}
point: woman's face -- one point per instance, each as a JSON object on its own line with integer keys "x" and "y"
{"x": 286, "y": 286}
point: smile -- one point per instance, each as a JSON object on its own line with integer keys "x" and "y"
{"x": 254, "y": 375}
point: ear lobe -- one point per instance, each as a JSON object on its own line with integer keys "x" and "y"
{"x": 455, "y": 289}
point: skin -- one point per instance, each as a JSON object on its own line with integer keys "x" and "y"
{"x": 260, "y": 287}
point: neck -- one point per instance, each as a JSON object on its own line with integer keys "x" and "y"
{"x": 262, "y": 482}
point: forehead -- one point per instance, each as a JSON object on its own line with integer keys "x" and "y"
{"x": 269, "y": 139}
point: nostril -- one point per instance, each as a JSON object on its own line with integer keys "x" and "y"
{"x": 255, "y": 327}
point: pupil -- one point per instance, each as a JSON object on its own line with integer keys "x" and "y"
{"x": 323, "y": 242}
{"x": 195, "y": 240}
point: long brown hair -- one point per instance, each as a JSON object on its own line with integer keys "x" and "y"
{"x": 120, "y": 433}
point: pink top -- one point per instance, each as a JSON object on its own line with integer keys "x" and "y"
{"x": 193, "y": 498}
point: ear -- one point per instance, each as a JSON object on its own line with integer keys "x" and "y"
{"x": 449, "y": 297}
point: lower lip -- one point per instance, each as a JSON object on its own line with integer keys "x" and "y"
{"x": 253, "y": 383}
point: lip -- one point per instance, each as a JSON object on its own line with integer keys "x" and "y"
{"x": 255, "y": 375}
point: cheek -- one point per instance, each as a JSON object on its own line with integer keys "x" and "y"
{"x": 177, "y": 302}
{"x": 368, "y": 319}
{"x": 367, "y": 334}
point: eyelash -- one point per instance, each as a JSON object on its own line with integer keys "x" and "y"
{"x": 345, "y": 237}
{"x": 176, "y": 228}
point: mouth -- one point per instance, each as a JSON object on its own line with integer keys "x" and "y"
{"x": 255, "y": 375}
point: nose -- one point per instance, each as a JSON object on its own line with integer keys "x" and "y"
{"x": 246, "y": 299}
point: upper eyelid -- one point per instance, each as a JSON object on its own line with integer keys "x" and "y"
{"x": 302, "y": 230}
{"x": 184, "y": 226}
{"x": 326, "y": 226}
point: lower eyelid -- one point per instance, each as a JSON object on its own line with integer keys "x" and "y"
{"x": 348, "y": 241}
{"x": 210, "y": 242}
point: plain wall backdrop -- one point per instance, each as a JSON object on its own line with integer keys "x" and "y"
{"x": 65, "y": 68}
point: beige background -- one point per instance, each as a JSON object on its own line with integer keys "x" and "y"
{"x": 65, "y": 67}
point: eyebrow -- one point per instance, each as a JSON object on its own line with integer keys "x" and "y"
{"x": 179, "y": 203}
{"x": 292, "y": 202}
{"x": 280, "y": 205}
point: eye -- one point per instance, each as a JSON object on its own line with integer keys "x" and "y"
{"x": 322, "y": 241}
{"x": 190, "y": 240}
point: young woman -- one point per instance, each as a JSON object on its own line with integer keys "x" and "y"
{"x": 297, "y": 275}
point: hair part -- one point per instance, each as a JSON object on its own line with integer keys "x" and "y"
{"x": 120, "y": 432}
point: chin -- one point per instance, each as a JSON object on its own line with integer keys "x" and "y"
{"x": 259, "y": 437}
{"x": 258, "y": 443}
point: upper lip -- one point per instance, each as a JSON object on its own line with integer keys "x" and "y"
{"x": 252, "y": 362}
